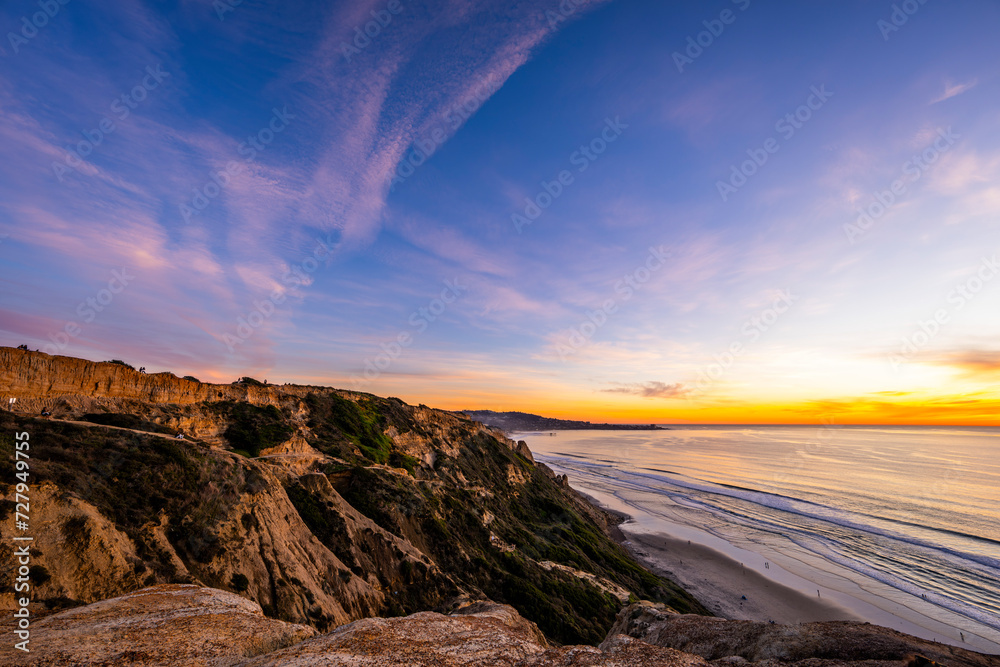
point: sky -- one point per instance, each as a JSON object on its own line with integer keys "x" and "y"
{"x": 648, "y": 211}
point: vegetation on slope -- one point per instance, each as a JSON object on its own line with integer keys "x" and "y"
{"x": 527, "y": 523}
{"x": 486, "y": 516}
{"x": 130, "y": 478}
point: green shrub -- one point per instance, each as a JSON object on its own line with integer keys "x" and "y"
{"x": 253, "y": 428}
{"x": 361, "y": 423}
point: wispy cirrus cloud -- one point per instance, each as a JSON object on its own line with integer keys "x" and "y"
{"x": 400, "y": 90}
{"x": 330, "y": 170}
{"x": 953, "y": 90}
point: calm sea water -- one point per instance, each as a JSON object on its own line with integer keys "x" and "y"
{"x": 905, "y": 520}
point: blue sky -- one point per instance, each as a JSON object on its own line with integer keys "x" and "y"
{"x": 304, "y": 261}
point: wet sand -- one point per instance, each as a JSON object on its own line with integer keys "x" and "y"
{"x": 719, "y": 582}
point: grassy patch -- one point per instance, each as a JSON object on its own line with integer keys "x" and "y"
{"x": 335, "y": 420}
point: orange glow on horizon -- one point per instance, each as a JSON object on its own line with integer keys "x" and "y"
{"x": 934, "y": 412}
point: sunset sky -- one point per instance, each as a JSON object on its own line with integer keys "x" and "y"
{"x": 733, "y": 211}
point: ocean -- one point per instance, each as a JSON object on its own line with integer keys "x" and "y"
{"x": 901, "y": 525}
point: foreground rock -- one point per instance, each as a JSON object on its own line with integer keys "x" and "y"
{"x": 826, "y": 644}
{"x": 482, "y": 634}
{"x": 180, "y": 625}
{"x": 177, "y": 625}
{"x": 164, "y": 625}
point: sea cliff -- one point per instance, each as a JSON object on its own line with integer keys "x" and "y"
{"x": 322, "y": 506}
{"x": 313, "y": 526}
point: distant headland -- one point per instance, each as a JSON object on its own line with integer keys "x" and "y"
{"x": 512, "y": 422}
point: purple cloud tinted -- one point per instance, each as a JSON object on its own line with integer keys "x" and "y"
{"x": 651, "y": 389}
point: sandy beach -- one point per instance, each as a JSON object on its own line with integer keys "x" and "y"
{"x": 720, "y": 583}
{"x": 717, "y": 578}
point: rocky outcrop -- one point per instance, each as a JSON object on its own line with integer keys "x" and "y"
{"x": 164, "y": 625}
{"x": 483, "y": 634}
{"x": 826, "y": 644}
{"x": 184, "y": 626}
{"x": 174, "y": 626}
{"x": 479, "y": 635}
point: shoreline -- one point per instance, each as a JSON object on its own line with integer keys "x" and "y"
{"x": 786, "y": 589}
{"x": 721, "y": 583}
{"x": 718, "y": 581}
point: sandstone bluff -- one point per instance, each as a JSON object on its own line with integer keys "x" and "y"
{"x": 298, "y": 525}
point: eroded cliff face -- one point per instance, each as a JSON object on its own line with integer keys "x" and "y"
{"x": 324, "y": 506}
{"x": 36, "y": 377}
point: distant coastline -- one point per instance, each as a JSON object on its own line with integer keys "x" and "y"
{"x": 512, "y": 422}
